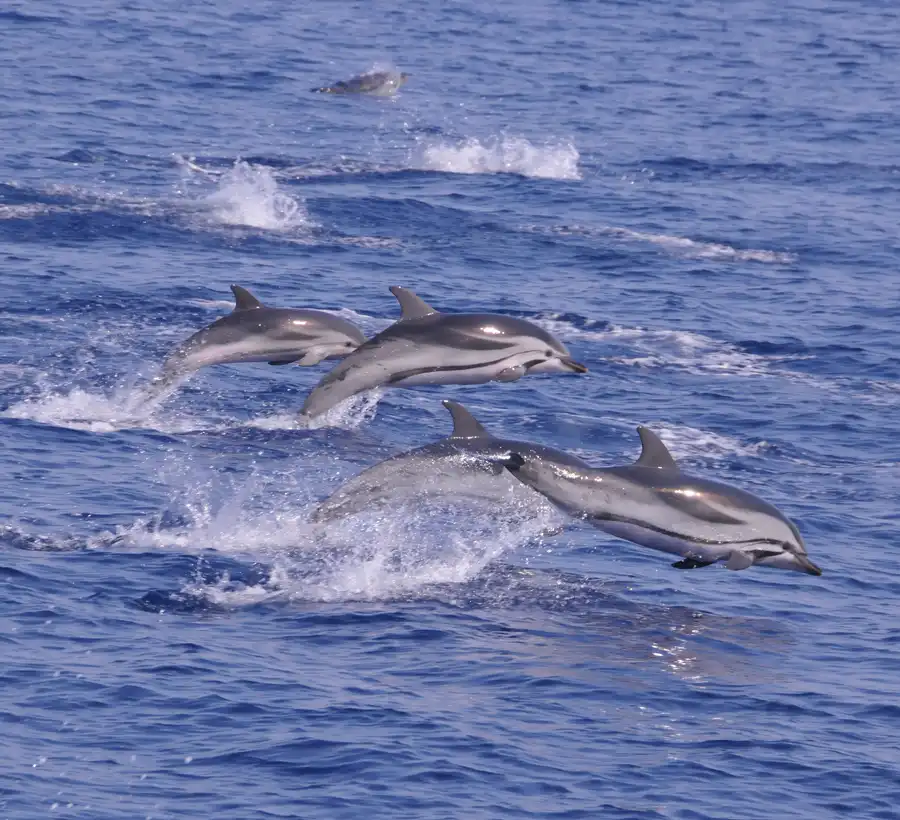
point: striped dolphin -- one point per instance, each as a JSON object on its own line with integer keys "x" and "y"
{"x": 468, "y": 461}
{"x": 253, "y": 332}
{"x": 427, "y": 347}
{"x": 376, "y": 83}
{"x": 653, "y": 503}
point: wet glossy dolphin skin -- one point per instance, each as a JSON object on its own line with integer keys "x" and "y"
{"x": 469, "y": 451}
{"x": 653, "y": 503}
{"x": 427, "y": 347}
{"x": 253, "y": 332}
{"x": 376, "y": 83}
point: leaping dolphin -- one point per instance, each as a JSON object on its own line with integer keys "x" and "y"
{"x": 467, "y": 462}
{"x": 376, "y": 83}
{"x": 427, "y": 347}
{"x": 253, "y": 332}
{"x": 653, "y": 503}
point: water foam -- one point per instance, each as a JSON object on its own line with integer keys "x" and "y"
{"x": 499, "y": 155}
{"x": 689, "y": 442}
{"x": 347, "y": 415}
{"x": 384, "y": 556}
{"x": 680, "y": 245}
{"x": 684, "y": 349}
{"x": 381, "y": 553}
{"x": 248, "y": 196}
{"x": 128, "y": 407}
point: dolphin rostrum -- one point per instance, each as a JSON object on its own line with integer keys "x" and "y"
{"x": 427, "y": 347}
{"x": 376, "y": 83}
{"x": 253, "y": 332}
{"x": 467, "y": 462}
{"x": 653, "y": 503}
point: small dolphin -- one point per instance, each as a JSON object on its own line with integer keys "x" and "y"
{"x": 653, "y": 503}
{"x": 427, "y": 347}
{"x": 470, "y": 452}
{"x": 376, "y": 83}
{"x": 253, "y": 332}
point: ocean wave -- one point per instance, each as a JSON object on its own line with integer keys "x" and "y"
{"x": 499, "y": 155}
{"x": 718, "y": 251}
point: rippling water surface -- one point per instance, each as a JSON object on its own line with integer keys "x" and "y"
{"x": 700, "y": 199}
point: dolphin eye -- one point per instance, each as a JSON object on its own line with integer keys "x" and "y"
{"x": 348, "y": 344}
{"x": 548, "y": 353}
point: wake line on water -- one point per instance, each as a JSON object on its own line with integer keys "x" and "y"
{"x": 680, "y": 245}
{"x": 140, "y": 407}
{"x": 499, "y": 155}
{"x": 242, "y": 196}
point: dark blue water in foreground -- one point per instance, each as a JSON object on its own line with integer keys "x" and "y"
{"x": 701, "y": 199}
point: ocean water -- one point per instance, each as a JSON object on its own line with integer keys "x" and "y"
{"x": 700, "y": 198}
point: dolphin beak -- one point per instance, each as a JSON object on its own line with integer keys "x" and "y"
{"x": 808, "y": 566}
{"x": 575, "y": 367}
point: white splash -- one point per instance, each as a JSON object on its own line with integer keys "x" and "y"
{"x": 372, "y": 557}
{"x": 248, "y": 196}
{"x": 126, "y": 408}
{"x": 500, "y": 155}
{"x": 680, "y": 245}
{"x": 349, "y": 414}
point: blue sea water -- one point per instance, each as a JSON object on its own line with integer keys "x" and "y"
{"x": 700, "y": 199}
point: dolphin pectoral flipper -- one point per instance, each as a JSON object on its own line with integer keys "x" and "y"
{"x": 510, "y": 374}
{"x": 739, "y": 560}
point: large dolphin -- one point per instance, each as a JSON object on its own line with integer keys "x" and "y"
{"x": 467, "y": 462}
{"x": 427, "y": 347}
{"x": 253, "y": 332}
{"x": 653, "y": 503}
{"x": 376, "y": 83}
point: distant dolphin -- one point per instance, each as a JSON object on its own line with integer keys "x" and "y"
{"x": 427, "y": 347}
{"x": 376, "y": 83}
{"x": 470, "y": 452}
{"x": 653, "y": 503}
{"x": 253, "y": 332}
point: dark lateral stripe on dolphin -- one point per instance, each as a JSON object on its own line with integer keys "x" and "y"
{"x": 406, "y": 374}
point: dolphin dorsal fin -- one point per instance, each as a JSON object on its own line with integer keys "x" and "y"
{"x": 653, "y": 452}
{"x": 411, "y": 306}
{"x": 243, "y": 299}
{"x": 465, "y": 425}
